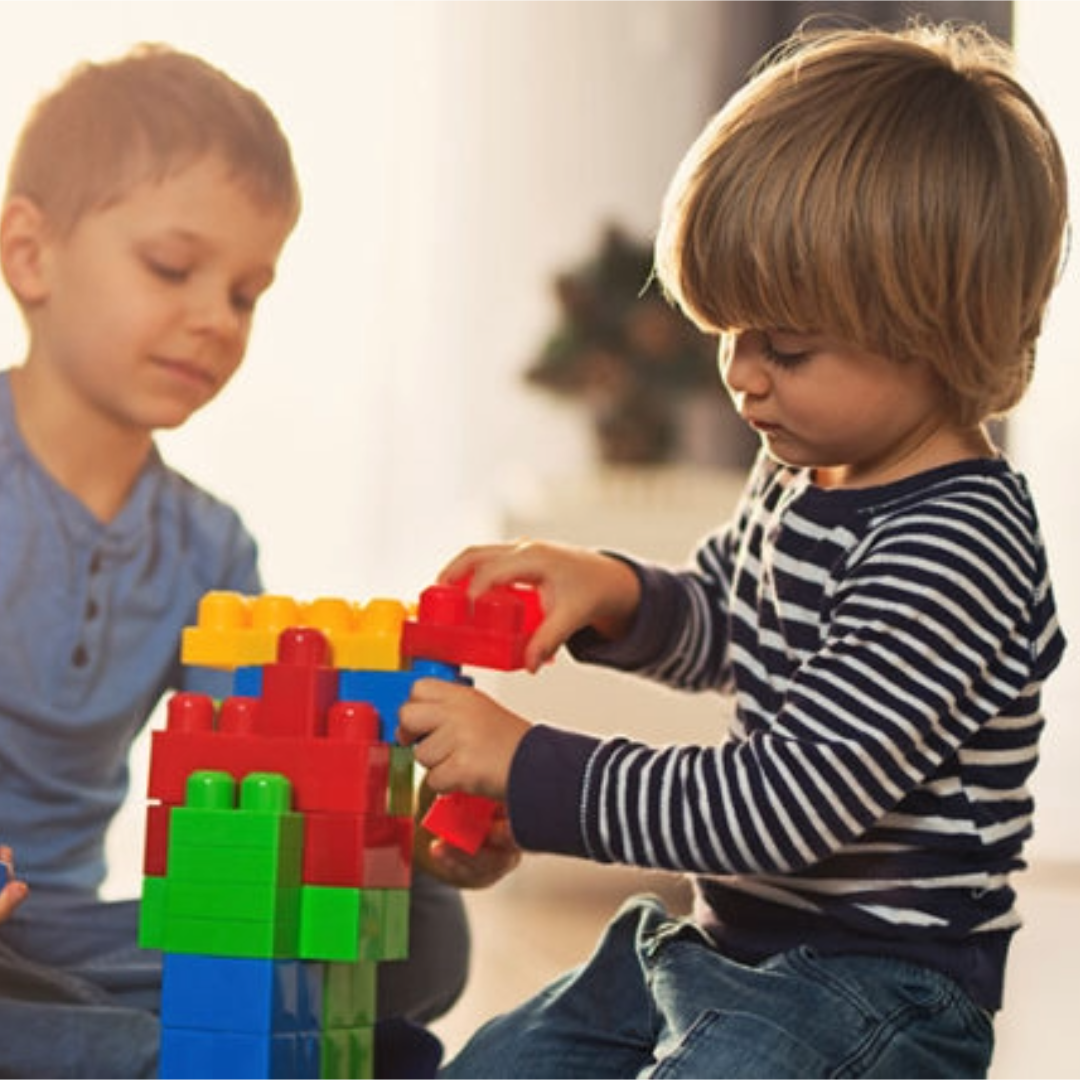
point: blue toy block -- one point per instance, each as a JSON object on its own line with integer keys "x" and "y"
{"x": 389, "y": 690}
{"x": 247, "y": 682}
{"x": 226, "y": 993}
{"x": 221, "y": 1055}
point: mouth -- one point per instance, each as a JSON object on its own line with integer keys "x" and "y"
{"x": 761, "y": 426}
{"x": 188, "y": 372}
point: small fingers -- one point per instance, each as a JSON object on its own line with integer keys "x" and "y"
{"x": 11, "y": 896}
{"x": 423, "y": 711}
{"x": 467, "y": 563}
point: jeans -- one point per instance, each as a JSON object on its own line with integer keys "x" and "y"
{"x": 79, "y": 998}
{"x": 657, "y": 999}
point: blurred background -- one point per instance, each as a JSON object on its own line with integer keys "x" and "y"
{"x": 456, "y": 350}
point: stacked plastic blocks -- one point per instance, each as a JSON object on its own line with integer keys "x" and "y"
{"x": 279, "y": 830}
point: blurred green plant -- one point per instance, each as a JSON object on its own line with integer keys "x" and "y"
{"x": 625, "y": 353}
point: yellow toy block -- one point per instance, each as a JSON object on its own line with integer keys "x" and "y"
{"x": 373, "y": 642}
{"x": 237, "y": 631}
{"x": 234, "y": 630}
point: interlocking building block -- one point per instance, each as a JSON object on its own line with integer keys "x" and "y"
{"x": 227, "y": 993}
{"x": 357, "y": 850}
{"x": 276, "y": 939}
{"x": 347, "y": 924}
{"x": 233, "y": 630}
{"x": 299, "y": 688}
{"x": 342, "y": 771}
{"x": 387, "y": 691}
{"x": 461, "y": 819}
{"x": 191, "y": 1052}
{"x": 490, "y": 631}
{"x": 373, "y": 640}
{"x": 212, "y": 814}
{"x": 254, "y": 913}
{"x": 347, "y": 1052}
{"x": 348, "y": 993}
{"x": 156, "y": 840}
{"x": 401, "y": 794}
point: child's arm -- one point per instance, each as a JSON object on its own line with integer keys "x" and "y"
{"x": 578, "y": 588}
{"x": 12, "y": 891}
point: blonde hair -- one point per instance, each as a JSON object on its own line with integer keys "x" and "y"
{"x": 900, "y": 191}
{"x": 142, "y": 117}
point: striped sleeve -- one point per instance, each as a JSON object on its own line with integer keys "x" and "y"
{"x": 866, "y": 659}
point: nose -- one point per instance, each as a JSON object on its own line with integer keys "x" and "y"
{"x": 214, "y": 311}
{"x": 743, "y": 367}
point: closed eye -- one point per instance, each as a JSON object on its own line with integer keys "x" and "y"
{"x": 784, "y": 359}
{"x": 167, "y": 271}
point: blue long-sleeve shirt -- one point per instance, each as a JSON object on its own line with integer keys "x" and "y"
{"x": 89, "y": 641}
{"x": 886, "y": 649}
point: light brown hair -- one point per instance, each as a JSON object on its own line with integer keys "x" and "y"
{"x": 142, "y": 117}
{"x": 898, "y": 190}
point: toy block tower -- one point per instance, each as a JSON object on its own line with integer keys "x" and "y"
{"x": 279, "y": 833}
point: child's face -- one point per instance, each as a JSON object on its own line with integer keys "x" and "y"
{"x": 148, "y": 303}
{"x": 820, "y": 403}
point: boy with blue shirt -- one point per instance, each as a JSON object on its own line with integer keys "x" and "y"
{"x": 148, "y": 201}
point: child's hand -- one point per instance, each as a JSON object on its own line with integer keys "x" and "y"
{"x": 578, "y": 588}
{"x": 497, "y": 856}
{"x": 14, "y": 891}
{"x": 465, "y": 740}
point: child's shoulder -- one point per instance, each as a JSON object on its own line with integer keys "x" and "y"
{"x": 206, "y": 518}
{"x": 980, "y": 486}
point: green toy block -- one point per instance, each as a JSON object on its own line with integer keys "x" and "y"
{"x": 340, "y": 923}
{"x": 246, "y": 902}
{"x": 347, "y": 1052}
{"x": 232, "y": 937}
{"x": 401, "y": 795}
{"x": 394, "y": 924}
{"x": 196, "y": 826}
{"x": 152, "y": 913}
{"x": 210, "y": 789}
{"x": 239, "y": 865}
{"x": 353, "y": 924}
{"x": 348, "y": 994}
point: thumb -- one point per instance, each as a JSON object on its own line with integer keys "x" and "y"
{"x": 546, "y": 641}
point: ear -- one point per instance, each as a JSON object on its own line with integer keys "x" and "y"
{"x": 23, "y": 249}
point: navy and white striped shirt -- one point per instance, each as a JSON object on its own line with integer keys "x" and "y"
{"x": 886, "y": 648}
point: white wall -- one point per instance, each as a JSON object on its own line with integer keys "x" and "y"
{"x": 1045, "y": 434}
{"x": 453, "y": 156}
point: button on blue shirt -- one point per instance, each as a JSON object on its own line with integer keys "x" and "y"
{"x": 89, "y": 641}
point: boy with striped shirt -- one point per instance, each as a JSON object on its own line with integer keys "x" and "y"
{"x": 872, "y": 227}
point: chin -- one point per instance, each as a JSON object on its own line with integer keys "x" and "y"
{"x": 170, "y": 419}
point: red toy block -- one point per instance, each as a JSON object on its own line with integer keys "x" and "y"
{"x": 344, "y": 770}
{"x": 299, "y": 689}
{"x": 461, "y": 819}
{"x": 490, "y": 631}
{"x": 156, "y": 842}
{"x": 357, "y": 850}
